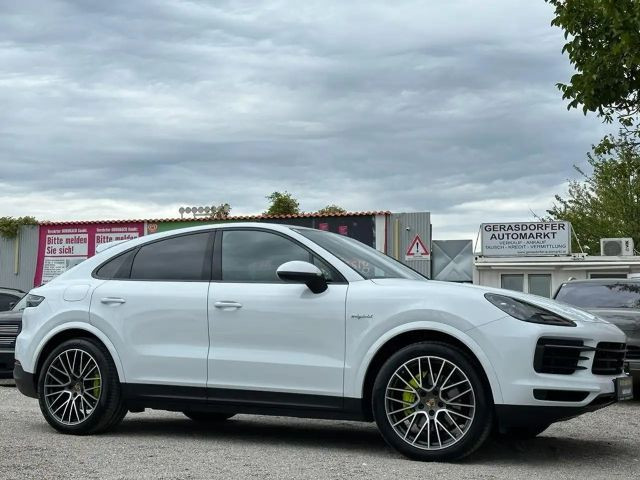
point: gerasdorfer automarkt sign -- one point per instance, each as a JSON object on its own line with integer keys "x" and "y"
{"x": 525, "y": 239}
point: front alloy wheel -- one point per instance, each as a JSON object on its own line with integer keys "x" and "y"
{"x": 430, "y": 402}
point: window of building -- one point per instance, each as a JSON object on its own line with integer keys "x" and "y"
{"x": 540, "y": 284}
{"x": 512, "y": 282}
{"x": 534, "y": 283}
{"x": 607, "y": 275}
{"x": 177, "y": 258}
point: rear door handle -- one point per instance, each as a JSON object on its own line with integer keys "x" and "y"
{"x": 112, "y": 300}
{"x": 225, "y": 304}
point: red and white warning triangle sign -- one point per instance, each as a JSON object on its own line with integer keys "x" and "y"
{"x": 417, "y": 250}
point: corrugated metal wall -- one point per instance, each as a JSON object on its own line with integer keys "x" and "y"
{"x": 403, "y": 228}
{"x": 27, "y": 255}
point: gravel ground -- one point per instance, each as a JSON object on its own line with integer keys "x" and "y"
{"x": 158, "y": 445}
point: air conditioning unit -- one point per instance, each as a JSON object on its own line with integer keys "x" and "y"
{"x": 616, "y": 247}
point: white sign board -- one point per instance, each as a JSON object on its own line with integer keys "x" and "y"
{"x": 525, "y": 239}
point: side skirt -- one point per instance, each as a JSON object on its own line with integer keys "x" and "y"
{"x": 255, "y": 402}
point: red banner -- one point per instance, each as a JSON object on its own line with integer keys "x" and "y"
{"x": 64, "y": 246}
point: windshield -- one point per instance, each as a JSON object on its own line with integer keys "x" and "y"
{"x": 365, "y": 260}
{"x": 611, "y": 295}
{"x": 21, "y": 305}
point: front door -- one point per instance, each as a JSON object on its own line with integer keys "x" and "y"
{"x": 271, "y": 336}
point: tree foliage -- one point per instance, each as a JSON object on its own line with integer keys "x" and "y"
{"x": 10, "y": 226}
{"x": 331, "y": 210}
{"x": 221, "y": 211}
{"x": 282, "y": 203}
{"x": 603, "y": 44}
{"x": 606, "y": 202}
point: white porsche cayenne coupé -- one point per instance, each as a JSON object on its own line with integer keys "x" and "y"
{"x": 280, "y": 320}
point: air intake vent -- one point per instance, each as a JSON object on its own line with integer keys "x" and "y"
{"x": 559, "y": 356}
{"x": 633, "y": 352}
{"x": 609, "y": 358}
{"x": 8, "y": 334}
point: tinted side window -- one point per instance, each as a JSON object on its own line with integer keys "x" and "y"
{"x": 176, "y": 258}
{"x": 118, "y": 267}
{"x": 6, "y": 300}
{"x": 254, "y": 256}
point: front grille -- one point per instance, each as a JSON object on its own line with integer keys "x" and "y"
{"x": 10, "y": 330}
{"x": 559, "y": 356}
{"x": 609, "y": 358}
{"x": 633, "y": 352}
{"x": 8, "y": 334}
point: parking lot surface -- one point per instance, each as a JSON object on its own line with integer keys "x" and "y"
{"x": 158, "y": 445}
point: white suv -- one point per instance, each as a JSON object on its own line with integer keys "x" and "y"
{"x": 279, "y": 320}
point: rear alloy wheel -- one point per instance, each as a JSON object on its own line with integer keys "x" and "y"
{"x": 79, "y": 390}
{"x": 208, "y": 417}
{"x": 430, "y": 403}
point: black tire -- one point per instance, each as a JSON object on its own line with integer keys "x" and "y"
{"x": 207, "y": 418}
{"x": 525, "y": 433}
{"x": 109, "y": 409}
{"x": 476, "y": 431}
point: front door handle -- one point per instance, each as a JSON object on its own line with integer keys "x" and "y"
{"x": 112, "y": 300}
{"x": 226, "y": 304}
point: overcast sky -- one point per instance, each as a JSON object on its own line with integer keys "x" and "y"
{"x": 129, "y": 109}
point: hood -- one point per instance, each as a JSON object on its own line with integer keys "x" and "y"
{"x": 627, "y": 319}
{"x": 559, "y": 308}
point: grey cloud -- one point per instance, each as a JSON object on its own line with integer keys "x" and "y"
{"x": 394, "y": 105}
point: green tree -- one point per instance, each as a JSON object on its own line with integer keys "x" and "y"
{"x": 603, "y": 44}
{"x": 282, "y": 203}
{"x": 331, "y": 210}
{"x": 606, "y": 202}
{"x": 10, "y": 226}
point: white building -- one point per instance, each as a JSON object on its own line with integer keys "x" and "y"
{"x": 543, "y": 275}
{"x": 535, "y": 257}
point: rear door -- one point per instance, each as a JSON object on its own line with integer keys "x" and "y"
{"x": 153, "y": 307}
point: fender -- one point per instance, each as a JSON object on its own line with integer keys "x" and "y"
{"x": 87, "y": 327}
{"x": 432, "y": 326}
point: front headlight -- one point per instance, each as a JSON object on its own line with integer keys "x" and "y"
{"x": 527, "y": 312}
{"x": 33, "y": 300}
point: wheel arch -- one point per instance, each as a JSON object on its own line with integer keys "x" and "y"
{"x": 386, "y": 348}
{"x": 71, "y": 331}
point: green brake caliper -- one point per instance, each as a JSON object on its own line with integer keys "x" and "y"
{"x": 409, "y": 396}
{"x": 96, "y": 388}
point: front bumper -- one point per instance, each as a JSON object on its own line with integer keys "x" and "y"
{"x": 633, "y": 368}
{"x": 513, "y": 416}
{"x": 510, "y": 345}
{"x": 24, "y": 381}
{"x": 6, "y": 364}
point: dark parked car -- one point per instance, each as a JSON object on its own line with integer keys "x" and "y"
{"x": 615, "y": 300}
{"x": 10, "y": 326}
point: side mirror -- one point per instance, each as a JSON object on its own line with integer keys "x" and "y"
{"x": 11, "y": 305}
{"x": 303, "y": 272}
